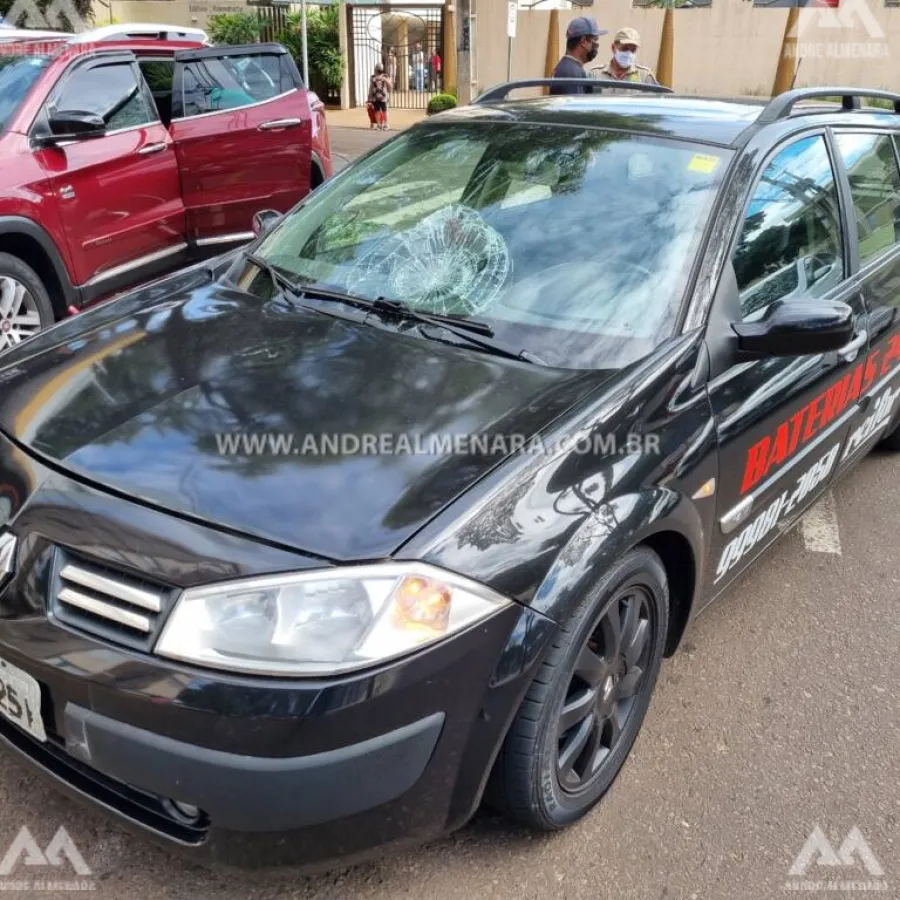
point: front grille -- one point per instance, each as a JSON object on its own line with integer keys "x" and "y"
{"x": 123, "y": 608}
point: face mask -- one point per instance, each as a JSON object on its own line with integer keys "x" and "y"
{"x": 592, "y": 53}
{"x": 625, "y": 58}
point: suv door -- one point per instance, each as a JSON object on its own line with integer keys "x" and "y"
{"x": 781, "y": 422}
{"x": 869, "y": 159}
{"x": 119, "y": 195}
{"x": 243, "y": 132}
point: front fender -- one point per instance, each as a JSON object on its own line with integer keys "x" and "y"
{"x": 619, "y": 525}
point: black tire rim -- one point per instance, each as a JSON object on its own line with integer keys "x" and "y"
{"x": 604, "y": 689}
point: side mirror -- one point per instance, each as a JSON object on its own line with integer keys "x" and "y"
{"x": 797, "y": 328}
{"x": 264, "y": 221}
{"x": 74, "y": 125}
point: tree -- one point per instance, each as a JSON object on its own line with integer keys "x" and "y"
{"x": 326, "y": 65}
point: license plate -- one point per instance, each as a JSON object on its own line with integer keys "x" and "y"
{"x": 20, "y": 700}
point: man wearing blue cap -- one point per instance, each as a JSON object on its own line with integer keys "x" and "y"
{"x": 582, "y": 46}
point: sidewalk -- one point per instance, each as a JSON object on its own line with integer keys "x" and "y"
{"x": 399, "y": 119}
{"x": 351, "y": 136}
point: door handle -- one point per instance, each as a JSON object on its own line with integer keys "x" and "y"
{"x": 152, "y": 148}
{"x": 280, "y": 123}
{"x": 849, "y": 351}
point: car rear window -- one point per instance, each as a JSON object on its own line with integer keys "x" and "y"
{"x": 574, "y": 244}
{"x": 18, "y": 74}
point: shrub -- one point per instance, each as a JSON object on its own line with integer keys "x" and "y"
{"x": 441, "y": 102}
{"x": 234, "y": 28}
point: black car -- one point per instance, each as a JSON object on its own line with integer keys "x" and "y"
{"x": 399, "y": 509}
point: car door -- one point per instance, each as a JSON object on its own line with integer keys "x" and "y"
{"x": 119, "y": 194}
{"x": 781, "y": 422}
{"x": 242, "y": 129}
{"x": 869, "y": 160}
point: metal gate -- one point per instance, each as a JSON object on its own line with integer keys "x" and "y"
{"x": 407, "y": 42}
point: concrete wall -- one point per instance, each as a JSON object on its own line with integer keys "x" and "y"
{"x": 170, "y": 12}
{"x": 730, "y": 49}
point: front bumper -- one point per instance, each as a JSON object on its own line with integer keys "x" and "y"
{"x": 310, "y": 773}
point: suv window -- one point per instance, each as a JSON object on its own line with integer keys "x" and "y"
{"x": 790, "y": 246}
{"x": 111, "y": 92}
{"x": 212, "y": 85}
{"x": 159, "y": 73}
{"x": 875, "y": 185}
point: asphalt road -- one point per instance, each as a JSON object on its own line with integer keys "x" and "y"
{"x": 348, "y": 144}
{"x": 779, "y": 714}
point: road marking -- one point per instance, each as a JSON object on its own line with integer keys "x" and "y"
{"x": 820, "y": 527}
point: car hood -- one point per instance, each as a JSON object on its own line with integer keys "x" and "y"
{"x": 329, "y": 436}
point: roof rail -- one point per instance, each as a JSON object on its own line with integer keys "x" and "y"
{"x": 130, "y": 30}
{"x": 502, "y": 91}
{"x": 780, "y": 107}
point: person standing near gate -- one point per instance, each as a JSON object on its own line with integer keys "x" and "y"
{"x": 379, "y": 94}
{"x": 391, "y": 67}
{"x": 582, "y": 46}
{"x": 435, "y": 70}
{"x": 418, "y": 61}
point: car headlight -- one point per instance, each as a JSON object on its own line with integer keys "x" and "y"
{"x": 324, "y": 622}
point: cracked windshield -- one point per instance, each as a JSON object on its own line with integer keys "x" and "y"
{"x": 528, "y": 229}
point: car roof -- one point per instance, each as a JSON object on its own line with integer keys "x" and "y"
{"x": 708, "y": 120}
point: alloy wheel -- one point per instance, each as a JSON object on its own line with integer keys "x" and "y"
{"x": 19, "y": 316}
{"x": 603, "y": 691}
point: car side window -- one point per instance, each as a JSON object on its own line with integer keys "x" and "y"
{"x": 213, "y": 85}
{"x": 875, "y": 186}
{"x": 790, "y": 245}
{"x": 112, "y": 92}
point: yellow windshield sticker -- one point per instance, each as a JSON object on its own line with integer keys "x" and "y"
{"x": 701, "y": 162}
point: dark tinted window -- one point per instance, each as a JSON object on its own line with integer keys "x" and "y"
{"x": 211, "y": 85}
{"x": 111, "y": 92}
{"x": 18, "y": 74}
{"x": 790, "y": 246}
{"x": 875, "y": 185}
{"x": 158, "y": 73}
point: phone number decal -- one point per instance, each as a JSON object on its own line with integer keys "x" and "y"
{"x": 881, "y": 415}
{"x": 781, "y": 507}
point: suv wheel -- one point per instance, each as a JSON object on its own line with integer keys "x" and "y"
{"x": 891, "y": 441}
{"x": 25, "y": 306}
{"x": 583, "y": 711}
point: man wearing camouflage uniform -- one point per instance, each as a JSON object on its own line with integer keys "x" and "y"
{"x": 622, "y": 66}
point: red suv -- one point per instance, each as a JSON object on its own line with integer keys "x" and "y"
{"x": 121, "y": 160}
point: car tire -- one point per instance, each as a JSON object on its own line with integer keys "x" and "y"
{"x": 531, "y": 781}
{"x": 17, "y": 274}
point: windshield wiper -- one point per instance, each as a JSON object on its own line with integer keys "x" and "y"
{"x": 279, "y": 279}
{"x": 472, "y": 331}
{"x": 293, "y": 291}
